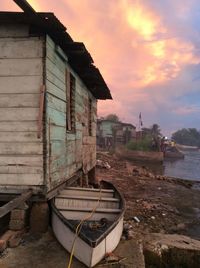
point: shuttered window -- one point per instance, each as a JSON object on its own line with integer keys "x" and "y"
{"x": 70, "y": 94}
{"x": 90, "y": 117}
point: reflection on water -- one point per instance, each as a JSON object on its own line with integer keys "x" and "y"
{"x": 187, "y": 168}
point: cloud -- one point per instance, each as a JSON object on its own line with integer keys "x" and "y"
{"x": 187, "y": 110}
{"x": 167, "y": 53}
{"x": 147, "y": 51}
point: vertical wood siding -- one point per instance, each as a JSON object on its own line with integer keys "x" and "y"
{"x": 66, "y": 152}
{"x": 21, "y": 76}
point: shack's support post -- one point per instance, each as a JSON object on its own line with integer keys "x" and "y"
{"x": 92, "y": 178}
{"x": 18, "y": 217}
{"x": 39, "y": 217}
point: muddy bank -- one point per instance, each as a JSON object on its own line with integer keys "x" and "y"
{"x": 162, "y": 204}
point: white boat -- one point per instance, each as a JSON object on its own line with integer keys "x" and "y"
{"x": 101, "y": 233}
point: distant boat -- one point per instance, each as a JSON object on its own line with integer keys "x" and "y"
{"x": 101, "y": 233}
{"x": 175, "y": 155}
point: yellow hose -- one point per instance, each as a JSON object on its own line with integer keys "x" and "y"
{"x": 79, "y": 226}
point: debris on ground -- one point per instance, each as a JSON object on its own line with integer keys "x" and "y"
{"x": 10, "y": 239}
{"x": 111, "y": 257}
{"x": 162, "y": 204}
{"x": 102, "y": 164}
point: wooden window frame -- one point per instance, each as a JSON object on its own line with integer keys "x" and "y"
{"x": 90, "y": 117}
{"x": 70, "y": 102}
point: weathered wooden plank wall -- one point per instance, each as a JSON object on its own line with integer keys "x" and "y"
{"x": 69, "y": 152}
{"x": 21, "y": 76}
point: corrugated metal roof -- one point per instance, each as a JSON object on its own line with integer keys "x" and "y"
{"x": 79, "y": 57}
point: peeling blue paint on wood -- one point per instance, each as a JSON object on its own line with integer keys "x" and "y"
{"x": 67, "y": 153}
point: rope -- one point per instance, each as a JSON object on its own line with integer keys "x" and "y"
{"x": 79, "y": 226}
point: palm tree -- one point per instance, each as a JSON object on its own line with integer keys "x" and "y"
{"x": 155, "y": 130}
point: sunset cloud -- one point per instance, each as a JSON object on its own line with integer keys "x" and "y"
{"x": 141, "y": 19}
{"x": 147, "y": 51}
{"x": 187, "y": 110}
{"x": 169, "y": 54}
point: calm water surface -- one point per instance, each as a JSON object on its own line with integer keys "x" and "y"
{"x": 187, "y": 168}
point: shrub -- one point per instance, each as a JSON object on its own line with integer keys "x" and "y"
{"x": 141, "y": 145}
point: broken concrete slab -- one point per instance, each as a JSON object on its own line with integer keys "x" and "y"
{"x": 132, "y": 252}
{"x": 171, "y": 250}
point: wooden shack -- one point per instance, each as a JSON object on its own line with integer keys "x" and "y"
{"x": 49, "y": 89}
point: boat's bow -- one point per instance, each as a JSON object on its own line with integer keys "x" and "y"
{"x": 101, "y": 212}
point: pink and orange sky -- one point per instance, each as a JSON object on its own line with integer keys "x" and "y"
{"x": 148, "y": 52}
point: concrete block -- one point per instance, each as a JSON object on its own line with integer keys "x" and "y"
{"x": 16, "y": 224}
{"x": 18, "y": 214}
{"x": 18, "y": 217}
{"x": 171, "y": 250}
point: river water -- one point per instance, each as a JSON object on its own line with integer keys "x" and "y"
{"x": 187, "y": 168}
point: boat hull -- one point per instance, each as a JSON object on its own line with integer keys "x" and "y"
{"x": 73, "y": 205}
{"x": 175, "y": 155}
{"x": 86, "y": 254}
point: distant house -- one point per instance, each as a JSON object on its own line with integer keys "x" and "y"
{"x": 110, "y": 133}
{"x": 105, "y": 136}
{"x": 48, "y": 104}
{"x": 124, "y": 132}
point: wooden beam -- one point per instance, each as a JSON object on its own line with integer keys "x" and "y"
{"x": 61, "y": 186}
{"x": 15, "y": 203}
{"x": 25, "y": 6}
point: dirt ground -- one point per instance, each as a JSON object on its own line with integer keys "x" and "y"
{"x": 162, "y": 204}
{"x": 154, "y": 204}
{"x": 46, "y": 252}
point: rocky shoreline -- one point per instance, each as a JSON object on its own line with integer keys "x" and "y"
{"x": 156, "y": 204}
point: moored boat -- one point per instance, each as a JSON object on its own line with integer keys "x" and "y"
{"x": 100, "y": 232}
{"x": 174, "y": 153}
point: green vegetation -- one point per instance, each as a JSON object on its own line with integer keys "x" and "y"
{"x": 140, "y": 145}
{"x": 153, "y": 131}
{"x": 150, "y": 140}
{"x": 112, "y": 117}
{"x": 187, "y": 136}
